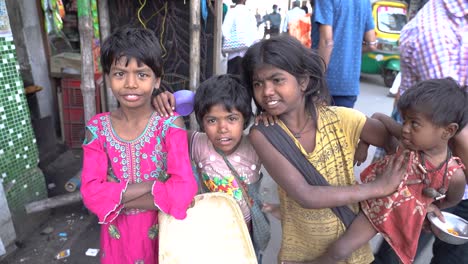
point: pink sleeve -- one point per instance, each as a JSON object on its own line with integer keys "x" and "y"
{"x": 175, "y": 195}
{"x": 99, "y": 196}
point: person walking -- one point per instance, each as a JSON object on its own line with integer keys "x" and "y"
{"x": 338, "y": 31}
{"x": 275, "y": 21}
{"x": 239, "y": 25}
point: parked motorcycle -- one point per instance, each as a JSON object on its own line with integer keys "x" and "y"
{"x": 389, "y": 18}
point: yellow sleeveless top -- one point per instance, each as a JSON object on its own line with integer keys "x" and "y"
{"x": 307, "y": 233}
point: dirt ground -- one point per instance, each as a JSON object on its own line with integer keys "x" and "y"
{"x": 69, "y": 227}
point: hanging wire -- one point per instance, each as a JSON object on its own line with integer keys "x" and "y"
{"x": 163, "y": 25}
{"x": 142, "y": 5}
{"x": 163, "y": 29}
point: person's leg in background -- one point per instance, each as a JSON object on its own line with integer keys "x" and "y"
{"x": 234, "y": 65}
{"x": 445, "y": 253}
{"x": 346, "y": 101}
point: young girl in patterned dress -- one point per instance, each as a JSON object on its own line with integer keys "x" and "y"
{"x": 135, "y": 162}
{"x": 433, "y": 111}
{"x": 225, "y": 160}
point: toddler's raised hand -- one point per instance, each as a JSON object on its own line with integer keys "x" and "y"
{"x": 360, "y": 155}
{"x": 164, "y": 103}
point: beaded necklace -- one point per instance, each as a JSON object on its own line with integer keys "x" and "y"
{"x": 430, "y": 191}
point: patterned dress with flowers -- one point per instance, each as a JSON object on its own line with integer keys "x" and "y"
{"x": 217, "y": 176}
{"x": 160, "y": 155}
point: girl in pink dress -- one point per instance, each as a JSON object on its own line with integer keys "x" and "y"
{"x": 135, "y": 162}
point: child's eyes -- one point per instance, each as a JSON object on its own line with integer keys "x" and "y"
{"x": 142, "y": 75}
{"x": 257, "y": 84}
{"x": 118, "y": 74}
{"x": 278, "y": 80}
{"x": 414, "y": 124}
{"x": 210, "y": 121}
{"x": 233, "y": 118}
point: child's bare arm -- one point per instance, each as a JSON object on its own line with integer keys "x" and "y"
{"x": 136, "y": 190}
{"x": 312, "y": 196}
{"x": 392, "y": 126}
{"x": 382, "y": 131}
{"x": 460, "y": 148}
{"x": 145, "y": 202}
{"x": 455, "y": 191}
{"x": 375, "y": 133}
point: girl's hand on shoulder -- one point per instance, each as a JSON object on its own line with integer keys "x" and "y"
{"x": 266, "y": 118}
{"x": 360, "y": 155}
{"x": 392, "y": 176}
{"x": 164, "y": 103}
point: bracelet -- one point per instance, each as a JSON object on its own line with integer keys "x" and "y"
{"x": 370, "y": 43}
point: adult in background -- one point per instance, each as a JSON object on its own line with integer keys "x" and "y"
{"x": 304, "y": 7}
{"x": 292, "y": 15}
{"x": 338, "y": 30}
{"x": 275, "y": 21}
{"x": 434, "y": 44}
{"x": 240, "y": 24}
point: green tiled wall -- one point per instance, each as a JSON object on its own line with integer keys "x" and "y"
{"x": 22, "y": 180}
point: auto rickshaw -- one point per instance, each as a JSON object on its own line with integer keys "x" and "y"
{"x": 389, "y": 18}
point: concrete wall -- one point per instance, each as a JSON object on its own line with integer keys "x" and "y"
{"x": 27, "y": 34}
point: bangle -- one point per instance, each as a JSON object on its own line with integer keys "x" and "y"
{"x": 370, "y": 43}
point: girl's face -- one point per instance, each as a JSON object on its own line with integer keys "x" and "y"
{"x": 223, "y": 128}
{"x": 132, "y": 85}
{"x": 419, "y": 133}
{"x": 276, "y": 90}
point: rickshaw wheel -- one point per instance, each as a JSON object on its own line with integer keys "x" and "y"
{"x": 389, "y": 76}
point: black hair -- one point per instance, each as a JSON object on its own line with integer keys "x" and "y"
{"x": 442, "y": 101}
{"x": 239, "y": 2}
{"x": 227, "y": 90}
{"x": 132, "y": 43}
{"x": 287, "y": 53}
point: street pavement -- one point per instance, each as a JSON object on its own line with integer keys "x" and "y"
{"x": 82, "y": 231}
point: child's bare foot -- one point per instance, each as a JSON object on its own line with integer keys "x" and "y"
{"x": 272, "y": 209}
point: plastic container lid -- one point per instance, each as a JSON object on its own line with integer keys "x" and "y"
{"x": 184, "y": 102}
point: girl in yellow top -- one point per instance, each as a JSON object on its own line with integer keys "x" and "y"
{"x": 287, "y": 80}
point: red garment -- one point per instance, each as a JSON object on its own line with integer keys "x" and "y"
{"x": 300, "y": 29}
{"x": 400, "y": 216}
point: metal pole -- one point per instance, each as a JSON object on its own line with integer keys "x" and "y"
{"x": 194, "y": 51}
{"x": 104, "y": 27}
{"x": 85, "y": 27}
{"x": 217, "y": 37}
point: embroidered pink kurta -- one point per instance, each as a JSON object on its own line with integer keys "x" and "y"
{"x": 131, "y": 235}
